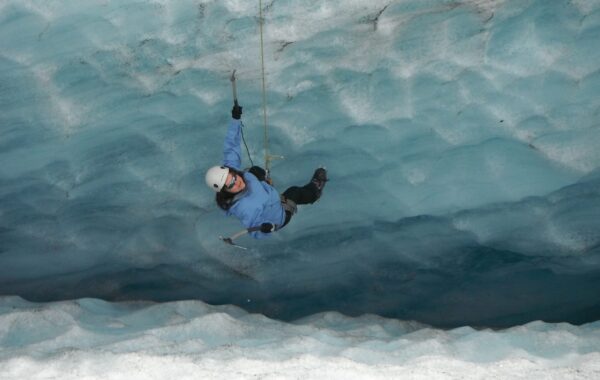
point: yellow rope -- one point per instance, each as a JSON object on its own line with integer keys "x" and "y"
{"x": 264, "y": 92}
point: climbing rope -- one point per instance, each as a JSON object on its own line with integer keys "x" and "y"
{"x": 246, "y": 145}
{"x": 268, "y": 157}
{"x": 264, "y": 88}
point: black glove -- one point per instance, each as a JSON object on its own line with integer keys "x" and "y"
{"x": 236, "y": 111}
{"x": 259, "y": 173}
{"x": 267, "y": 228}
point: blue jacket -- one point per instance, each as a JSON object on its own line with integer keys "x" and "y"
{"x": 259, "y": 202}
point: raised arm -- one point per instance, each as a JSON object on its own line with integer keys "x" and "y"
{"x": 232, "y": 150}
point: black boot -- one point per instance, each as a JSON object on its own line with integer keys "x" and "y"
{"x": 319, "y": 179}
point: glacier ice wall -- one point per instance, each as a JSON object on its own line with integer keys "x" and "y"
{"x": 461, "y": 140}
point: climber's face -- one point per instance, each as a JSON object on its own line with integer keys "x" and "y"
{"x": 234, "y": 183}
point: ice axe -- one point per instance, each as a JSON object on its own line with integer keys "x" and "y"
{"x": 234, "y": 88}
{"x": 230, "y": 240}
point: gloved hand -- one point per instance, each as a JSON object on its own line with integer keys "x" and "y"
{"x": 236, "y": 111}
{"x": 259, "y": 173}
{"x": 267, "y": 228}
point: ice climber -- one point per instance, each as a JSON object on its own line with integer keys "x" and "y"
{"x": 248, "y": 196}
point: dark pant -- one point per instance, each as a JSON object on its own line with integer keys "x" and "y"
{"x": 301, "y": 196}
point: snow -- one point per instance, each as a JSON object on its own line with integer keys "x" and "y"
{"x": 89, "y": 338}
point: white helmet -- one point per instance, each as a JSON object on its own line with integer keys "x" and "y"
{"x": 216, "y": 177}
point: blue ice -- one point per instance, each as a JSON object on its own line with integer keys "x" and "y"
{"x": 461, "y": 140}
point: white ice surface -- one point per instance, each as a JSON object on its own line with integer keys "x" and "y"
{"x": 92, "y": 339}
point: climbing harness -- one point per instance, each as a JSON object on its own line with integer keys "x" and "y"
{"x": 289, "y": 205}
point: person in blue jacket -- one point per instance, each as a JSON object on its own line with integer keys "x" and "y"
{"x": 248, "y": 196}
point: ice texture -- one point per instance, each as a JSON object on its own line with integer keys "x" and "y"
{"x": 461, "y": 140}
{"x": 94, "y": 339}
{"x": 458, "y": 236}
